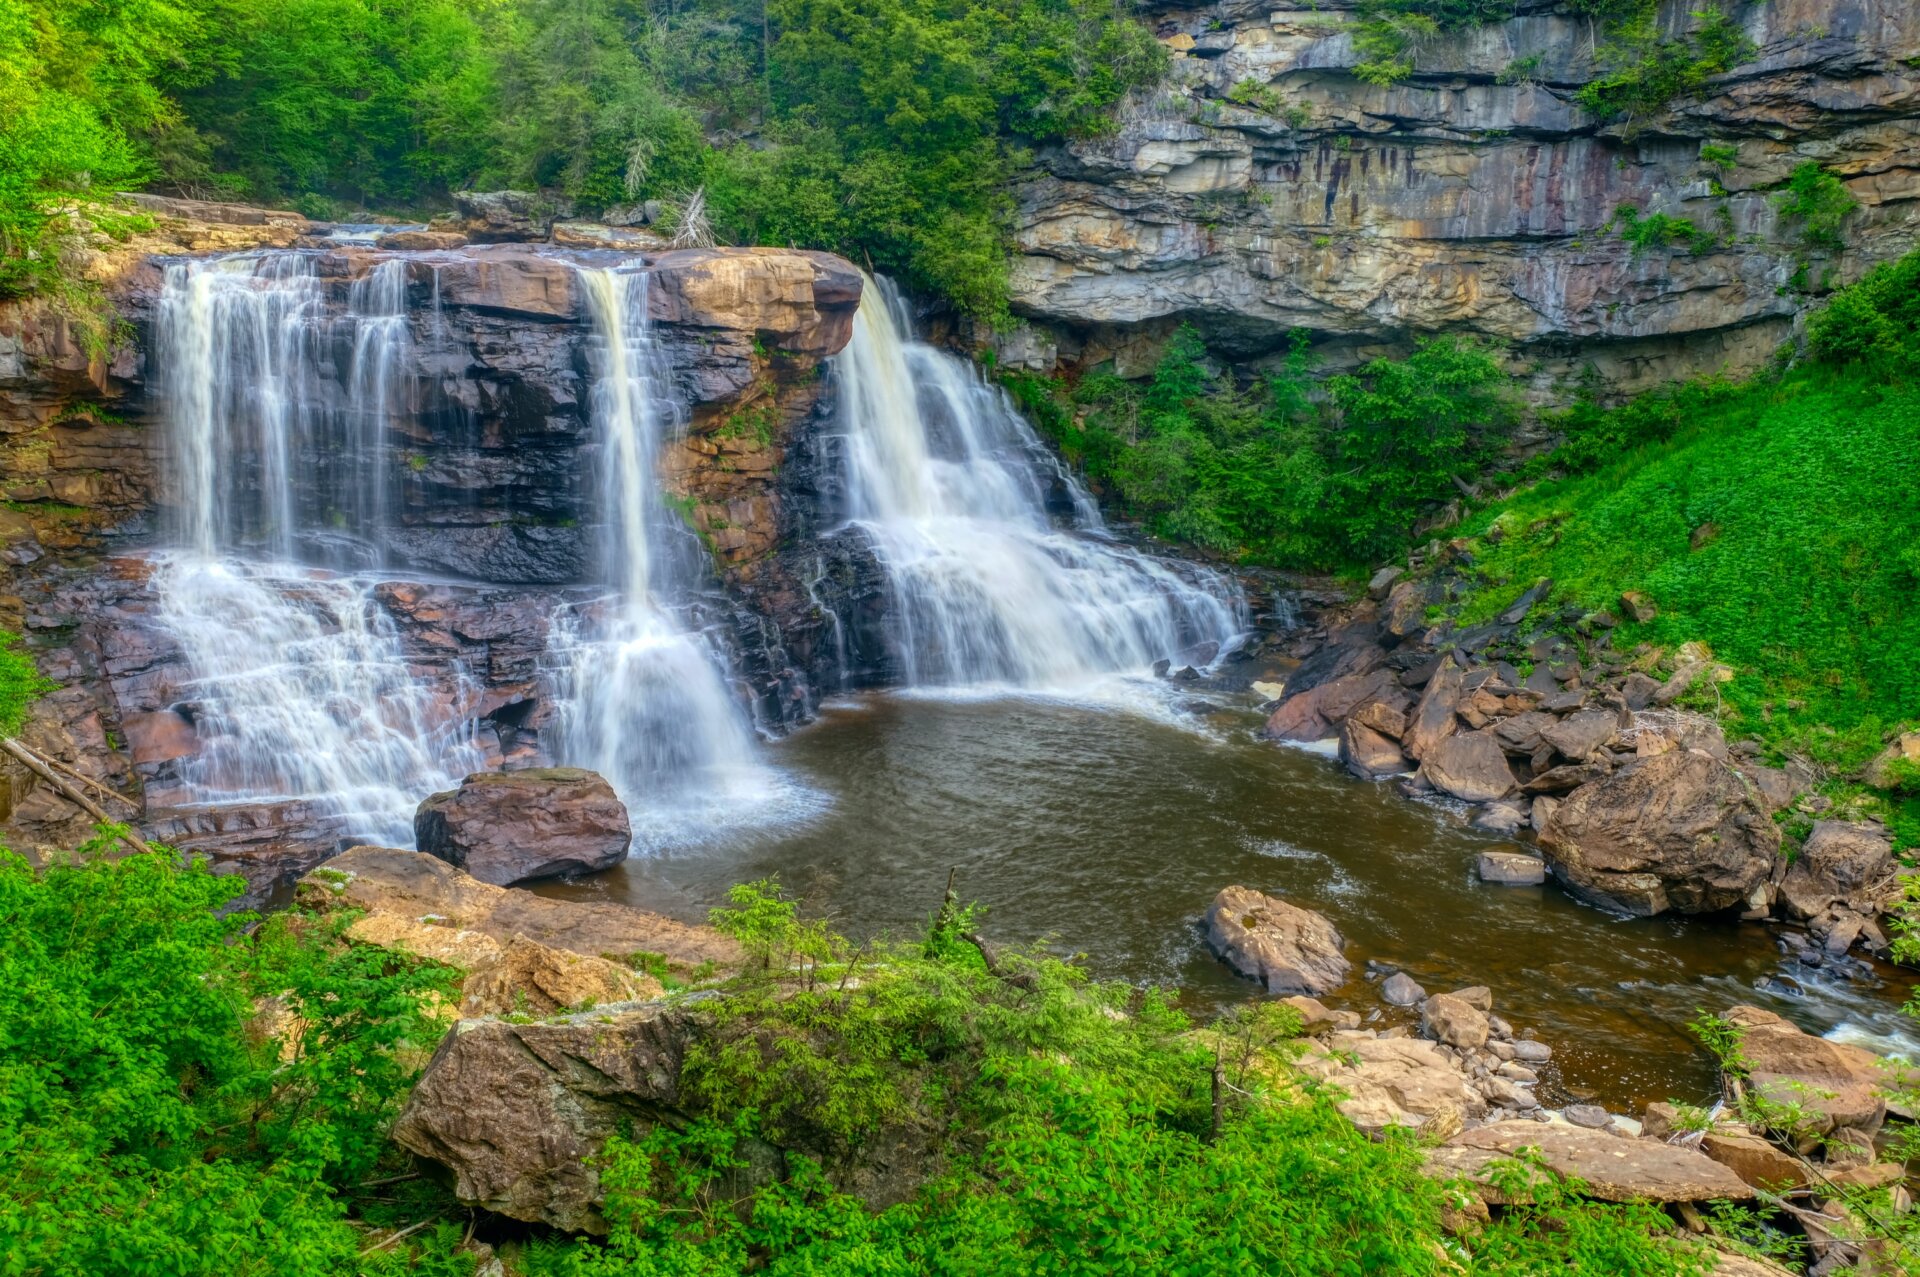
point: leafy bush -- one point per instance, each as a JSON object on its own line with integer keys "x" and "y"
{"x": 1876, "y": 322}
{"x": 21, "y": 683}
{"x": 1818, "y": 203}
{"x": 150, "y": 1121}
{"x": 1658, "y": 230}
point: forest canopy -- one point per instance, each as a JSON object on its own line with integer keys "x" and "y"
{"x": 883, "y": 129}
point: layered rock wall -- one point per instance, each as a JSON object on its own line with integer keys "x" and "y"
{"x": 1267, "y": 188}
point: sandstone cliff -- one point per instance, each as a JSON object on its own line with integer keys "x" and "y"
{"x": 1267, "y": 188}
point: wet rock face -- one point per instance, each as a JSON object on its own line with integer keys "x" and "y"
{"x": 509, "y": 827}
{"x": 1451, "y": 200}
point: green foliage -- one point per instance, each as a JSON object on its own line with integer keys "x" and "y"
{"x": 1658, "y": 230}
{"x": 1059, "y": 1127}
{"x": 1875, "y": 323}
{"x": 1552, "y": 1228}
{"x": 1390, "y": 33}
{"x": 1278, "y": 472}
{"x": 21, "y": 684}
{"x": 1642, "y": 72}
{"x": 1721, "y": 156}
{"x": 151, "y": 1122}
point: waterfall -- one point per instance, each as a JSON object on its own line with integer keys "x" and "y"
{"x": 297, "y": 682}
{"x": 642, "y": 697}
{"x": 1001, "y": 574}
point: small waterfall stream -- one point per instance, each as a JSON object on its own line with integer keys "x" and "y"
{"x": 299, "y": 685}
{"x": 642, "y": 697}
{"x": 990, "y": 587}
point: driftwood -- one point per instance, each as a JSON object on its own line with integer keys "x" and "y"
{"x": 69, "y": 791}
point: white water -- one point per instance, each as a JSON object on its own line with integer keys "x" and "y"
{"x": 988, "y": 593}
{"x": 642, "y": 698}
{"x": 277, "y": 416}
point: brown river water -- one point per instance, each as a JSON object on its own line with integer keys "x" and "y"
{"x": 1107, "y": 834}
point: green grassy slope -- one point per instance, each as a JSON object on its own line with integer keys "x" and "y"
{"x": 1781, "y": 527}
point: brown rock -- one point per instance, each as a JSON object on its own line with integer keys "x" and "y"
{"x": 1614, "y": 1169}
{"x": 1880, "y": 773}
{"x": 1565, "y": 778}
{"x": 1754, "y": 1160}
{"x": 536, "y": 979}
{"x": 1451, "y": 1020}
{"x": 508, "y": 827}
{"x": 1471, "y": 767}
{"x": 1367, "y": 753}
{"x": 1837, "y": 1084}
{"x": 408, "y": 886}
{"x": 1675, "y": 831}
{"x": 1311, "y": 714}
{"x": 1285, "y": 947}
{"x": 1520, "y": 734}
{"x": 1841, "y": 863}
{"x": 1638, "y": 607}
{"x": 519, "y": 1112}
{"x": 1577, "y": 735}
{"x": 1382, "y": 718}
{"x": 1679, "y": 681}
{"x": 1390, "y": 1081}
{"x": 1313, "y": 1012}
{"x": 1638, "y": 690}
{"x": 1433, "y": 719}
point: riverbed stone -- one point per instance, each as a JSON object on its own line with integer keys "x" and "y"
{"x": 1614, "y": 1169}
{"x": 1401, "y": 990}
{"x": 1285, "y": 947}
{"x": 1528, "y": 1051}
{"x": 1452, "y": 1020}
{"x": 1469, "y": 766}
{"x": 1577, "y": 735}
{"x": 1369, "y": 754}
{"x": 1836, "y": 1083}
{"x": 1501, "y": 818}
{"x": 1676, "y": 831}
{"x": 1512, "y": 869}
{"x": 509, "y": 827}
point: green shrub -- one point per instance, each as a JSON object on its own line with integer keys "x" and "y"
{"x": 147, "y": 1123}
{"x": 1658, "y": 230}
{"x": 21, "y": 684}
{"x": 1875, "y": 322}
{"x": 1817, "y": 203}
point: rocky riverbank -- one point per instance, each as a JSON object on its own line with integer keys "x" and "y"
{"x": 1632, "y": 802}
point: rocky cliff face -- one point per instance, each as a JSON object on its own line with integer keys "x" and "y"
{"x": 1267, "y": 189}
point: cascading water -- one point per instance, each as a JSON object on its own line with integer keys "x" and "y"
{"x": 299, "y": 685}
{"x": 642, "y": 698}
{"x": 988, "y": 590}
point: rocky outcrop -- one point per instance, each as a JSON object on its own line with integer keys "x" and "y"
{"x": 509, "y": 827}
{"x": 1613, "y": 1168}
{"x": 1675, "y": 831}
{"x": 1840, "y": 883}
{"x": 417, "y": 890}
{"x": 519, "y": 1112}
{"x": 1286, "y": 948}
{"x": 1268, "y": 189}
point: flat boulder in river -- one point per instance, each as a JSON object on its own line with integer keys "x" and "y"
{"x": 1677, "y": 831}
{"x": 508, "y": 827}
{"x": 1285, "y": 947}
{"x": 1614, "y": 1168}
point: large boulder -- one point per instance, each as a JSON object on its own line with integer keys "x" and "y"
{"x": 1471, "y": 766}
{"x": 428, "y": 907}
{"x": 508, "y": 827}
{"x": 1450, "y": 1019}
{"x": 1838, "y": 1085}
{"x": 1285, "y": 947}
{"x": 1841, "y": 863}
{"x": 1310, "y": 715}
{"x": 519, "y": 1112}
{"x": 513, "y": 216}
{"x": 1679, "y": 830}
{"x": 1613, "y": 1167}
{"x": 1369, "y": 754}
